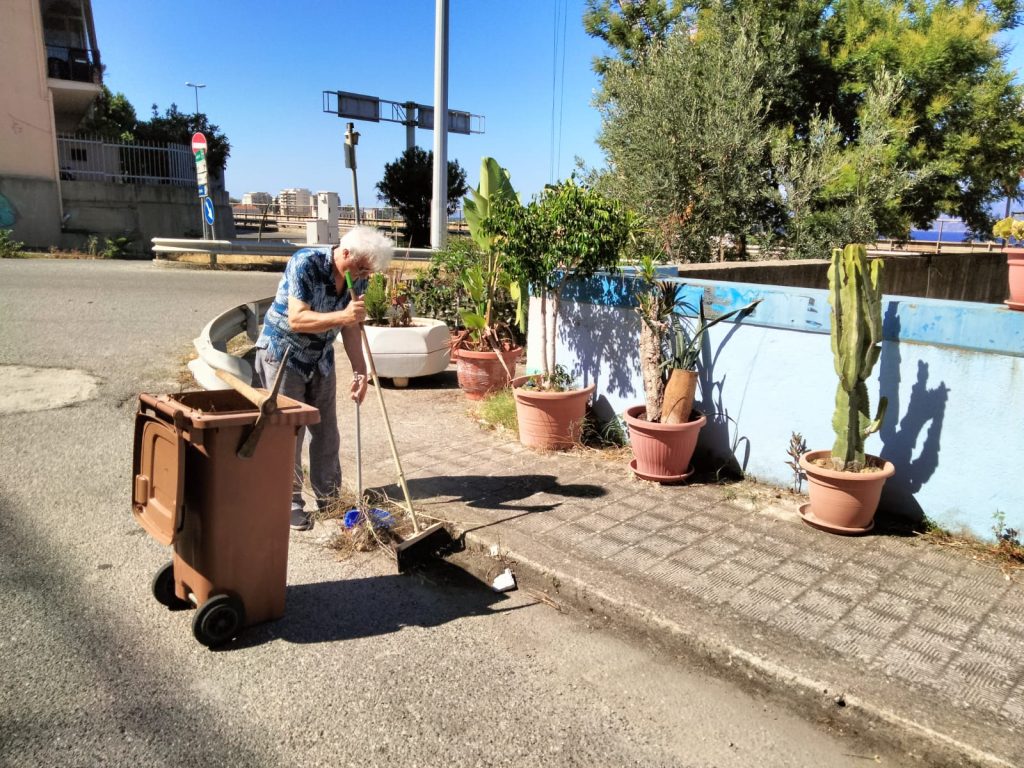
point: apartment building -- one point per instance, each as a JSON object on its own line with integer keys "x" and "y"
{"x": 58, "y": 188}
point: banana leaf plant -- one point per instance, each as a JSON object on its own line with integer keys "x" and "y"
{"x": 482, "y": 281}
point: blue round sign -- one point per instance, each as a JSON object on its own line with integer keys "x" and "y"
{"x": 208, "y": 210}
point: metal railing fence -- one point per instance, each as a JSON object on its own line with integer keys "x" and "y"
{"x": 69, "y": 63}
{"x": 87, "y": 158}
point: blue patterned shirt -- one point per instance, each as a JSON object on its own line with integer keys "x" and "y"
{"x": 309, "y": 277}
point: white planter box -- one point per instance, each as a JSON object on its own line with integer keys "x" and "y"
{"x": 420, "y": 349}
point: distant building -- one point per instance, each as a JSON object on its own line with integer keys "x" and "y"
{"x": 60, "y": 188}
{"x": 257, "y": 198}
{"x": 295, "y": 202}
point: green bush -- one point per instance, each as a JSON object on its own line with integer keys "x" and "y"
{"x": 115, "y": 247}
{"x": 439, "y": 292}
{"x": 376, "y": 300}
{"x": 9, "y": 249}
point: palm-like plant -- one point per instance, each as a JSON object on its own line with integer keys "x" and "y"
{"x": 671, "y": 340}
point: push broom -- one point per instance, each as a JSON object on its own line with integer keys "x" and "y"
{"x": 425, "y": 541}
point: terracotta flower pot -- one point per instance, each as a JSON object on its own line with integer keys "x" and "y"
{"x": 481, "y": 373}
{"x": 1015, "y": 263}
{"x": 550, "y": 421}
{"x": 842, "y": 502}
{"x": 662, "y": 452}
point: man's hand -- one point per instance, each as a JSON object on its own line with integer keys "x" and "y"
{"x": 358, "y": 390}
{"x": 354, "y": 313}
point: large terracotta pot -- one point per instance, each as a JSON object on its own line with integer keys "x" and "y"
{"x": 1015, "y": 263}
{"x": 662, "y": 452}
{"x": 550, "y": 421}
{"x": 480, "y": 373}
{"x": 842, "y": 502}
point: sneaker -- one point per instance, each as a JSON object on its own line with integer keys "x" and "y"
{"x": 301, "y": 521}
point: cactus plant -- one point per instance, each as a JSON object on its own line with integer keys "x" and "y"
{"x": 855, "y": 293}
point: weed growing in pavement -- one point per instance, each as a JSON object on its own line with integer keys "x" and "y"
{"x": 1007, "y": 553}
{"x": 498, "y": 411}
{"x": 611, "y": 434}
{"x": 797, "y": 448}
{"x": 1008, "y": 541}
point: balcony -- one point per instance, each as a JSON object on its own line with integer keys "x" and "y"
{"x": 74, "y": 78}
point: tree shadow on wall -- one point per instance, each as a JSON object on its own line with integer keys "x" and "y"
{"x": 604, "y": 339}
{"x": 716, "y": 447}
{"x": 926, "y": 409}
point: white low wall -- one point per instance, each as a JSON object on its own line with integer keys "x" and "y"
{"x": 953, "y": 373}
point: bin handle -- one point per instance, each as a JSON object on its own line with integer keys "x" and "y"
{"x": 165, "y": 405}
{"x": 266, "y": 402}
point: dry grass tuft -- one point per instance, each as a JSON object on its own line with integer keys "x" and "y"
{"x": 1007, "y": 554}
{"x": 367, "y": 536}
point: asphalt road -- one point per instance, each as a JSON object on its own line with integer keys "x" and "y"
{"x": 366, "y": 668}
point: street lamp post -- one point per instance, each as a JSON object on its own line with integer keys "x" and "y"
{"x": 196, "y": 87}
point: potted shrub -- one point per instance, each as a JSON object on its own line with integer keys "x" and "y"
{"x": 486, "y": 354}
{"x": 845, "y": 484}
{"x": 571, "y": 231}
{"x": 1013, "y": 229}
{"x": 663, "y": 431}
{"x": 403, "y": 346}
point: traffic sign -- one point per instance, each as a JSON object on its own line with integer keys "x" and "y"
{"x": 200, "y": 155}
{"x": 202, "y": 190}
{"x": 208, "y": 210}
{"x": 198, "y": 142}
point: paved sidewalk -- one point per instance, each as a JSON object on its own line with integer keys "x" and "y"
{"x": 896, "y": 638}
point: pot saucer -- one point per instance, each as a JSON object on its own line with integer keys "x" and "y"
{"x": 1018, "y": 305}
{"x": 814, "y": 522}
{"x": 660, "y": 478}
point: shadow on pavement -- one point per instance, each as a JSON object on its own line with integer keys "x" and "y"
{"x": 495, "y": 492}
{"x": 446, "y": 379}
{"x": 378, "y": 605}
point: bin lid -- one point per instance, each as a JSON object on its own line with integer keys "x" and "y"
{"x": 159, "y": 477}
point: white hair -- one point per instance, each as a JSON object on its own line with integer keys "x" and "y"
{"x": 370, "y": 244}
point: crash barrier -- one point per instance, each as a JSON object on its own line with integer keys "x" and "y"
{"x": 165, "y": 246}
{"x": 212, "y": 344}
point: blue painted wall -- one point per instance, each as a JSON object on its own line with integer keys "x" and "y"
{"x": 953, "y": 373}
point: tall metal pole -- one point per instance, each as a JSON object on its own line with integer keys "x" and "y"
{"x": 439, "y": 206}
{"x": 351, "y": 140}
{"x": 410, "y": 124}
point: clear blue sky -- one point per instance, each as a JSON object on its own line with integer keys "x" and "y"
{"x": 265, "y": 65}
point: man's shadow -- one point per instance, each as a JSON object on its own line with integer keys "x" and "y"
{"x": 349, "y": 609}
{"x": 497, "y": 493}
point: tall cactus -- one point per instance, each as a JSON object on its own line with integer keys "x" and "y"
{"x": 855, "y": 293}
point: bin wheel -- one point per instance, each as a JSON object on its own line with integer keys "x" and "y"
{"x": 163, "y": 589}
{"x": 218, "y": 620}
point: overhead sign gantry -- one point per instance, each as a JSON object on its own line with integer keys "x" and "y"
{"x": 357, "y": 106}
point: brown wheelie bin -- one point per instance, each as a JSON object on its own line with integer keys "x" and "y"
{"x": 226, "y": 516}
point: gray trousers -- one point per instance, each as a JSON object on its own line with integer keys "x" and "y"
{"x": 324, "y": 442}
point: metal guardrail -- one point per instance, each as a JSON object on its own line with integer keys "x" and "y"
{"x": 172, "y": 245}
{"x": 212, "y": 344}
{"x": 223, "y": 247}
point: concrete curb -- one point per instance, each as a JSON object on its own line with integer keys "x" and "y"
{"x": 815, "y": 699}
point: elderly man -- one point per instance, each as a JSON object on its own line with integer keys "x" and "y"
{"x": 312, "y": 305}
